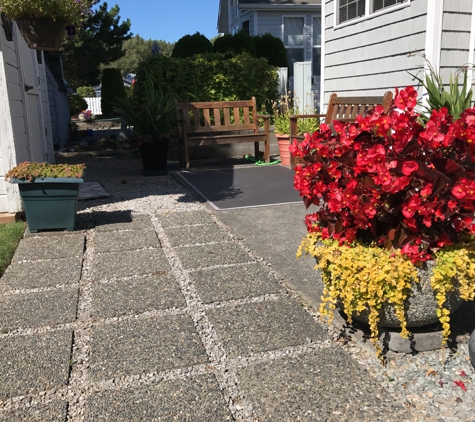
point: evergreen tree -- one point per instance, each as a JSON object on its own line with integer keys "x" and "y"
{"x": 98, "y": 43}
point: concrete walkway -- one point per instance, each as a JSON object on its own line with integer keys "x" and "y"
{"x": 171, "y": 317}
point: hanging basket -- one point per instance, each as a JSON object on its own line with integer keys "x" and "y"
{"x": 42, "y": 34}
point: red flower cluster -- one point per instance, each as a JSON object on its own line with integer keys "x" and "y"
{"x": 387, "y": 178}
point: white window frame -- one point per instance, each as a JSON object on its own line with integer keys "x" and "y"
{"x": 368, "y": 12}
{"x": 317, "y": 45}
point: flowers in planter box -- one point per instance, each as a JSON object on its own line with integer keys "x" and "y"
{"x": 31, "y": 171}
{"x": 387, "y": 181}
{"x": 86, "y": 116}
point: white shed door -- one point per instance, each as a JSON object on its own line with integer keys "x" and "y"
{"x": 33, "y": 114}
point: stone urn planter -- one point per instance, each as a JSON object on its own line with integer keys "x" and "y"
{"x": 420, "y": 307}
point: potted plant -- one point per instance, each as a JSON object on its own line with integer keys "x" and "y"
{"x": 152, "y": 119}
{"x": 281, "y": 115}
{"x": 49, "y": 193}
{"x": 43, "y": 23}
{"x": 396, "y": 213}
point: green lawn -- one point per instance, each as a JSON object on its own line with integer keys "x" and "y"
{"x": 10, "y": 235}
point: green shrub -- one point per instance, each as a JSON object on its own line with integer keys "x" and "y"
{"x": 86, "y": 91}
{"x": 189, "y": 45}
{"x": 76, "y": 104}
{"x": 272, "y": 49}
{"x": 111, "y": 91}
{"x": 211, "y": 77}
{"x": 239, "y": 43}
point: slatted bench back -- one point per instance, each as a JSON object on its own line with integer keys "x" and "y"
{"x": 345, "y": 109}
{"x": 218, "y": 116}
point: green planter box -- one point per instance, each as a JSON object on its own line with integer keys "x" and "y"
{"x": 50, "y": 203}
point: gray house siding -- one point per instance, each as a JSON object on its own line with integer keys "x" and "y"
{"x": 370, "y": 56}
{"x": 456, "y": 23}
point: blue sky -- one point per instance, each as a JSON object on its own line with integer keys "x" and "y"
{"x": 169, "y": 20}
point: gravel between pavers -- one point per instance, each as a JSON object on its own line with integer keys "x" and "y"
{"x": 410, "y": 382}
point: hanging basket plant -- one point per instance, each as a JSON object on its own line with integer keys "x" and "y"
{"x": 42, "y": 23}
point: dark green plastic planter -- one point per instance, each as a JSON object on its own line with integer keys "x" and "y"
{"x": 50, "y": 203}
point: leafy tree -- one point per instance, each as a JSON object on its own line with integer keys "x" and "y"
{"x": 189, "y": 45}
{"x": 99, "y": 42}
{"x": 135, "y": 50}
{"x": 272, "y": 49}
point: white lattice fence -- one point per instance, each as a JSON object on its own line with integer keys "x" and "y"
{"x": 94, "y": 104}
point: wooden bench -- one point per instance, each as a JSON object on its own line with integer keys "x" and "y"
{"x": 343, "y": 109}
{"x": 219, "y": 123}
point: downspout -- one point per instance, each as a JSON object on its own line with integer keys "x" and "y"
{"x": 435, "y": 13}
{"x": 471, "y": 47}
{"x": 322, "y": 59}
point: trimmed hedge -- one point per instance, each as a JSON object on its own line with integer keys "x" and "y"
{"x": 86, "y": 91}
{"x": 211, "y": 77}
{"x": 112, "y": 89}
{"x": 189, "y": 45}
{"x": 239, "y": 43}
{"x": 272, "y": 49}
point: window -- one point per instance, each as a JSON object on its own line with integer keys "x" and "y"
{"x": 245, "y": 27}
{"x": 316, "y": 46}
{"x": 347, "y": 10}
{"x": 351, "y": 9}
{"x": 294, "y": 40}
{"x": 382, "y": 4}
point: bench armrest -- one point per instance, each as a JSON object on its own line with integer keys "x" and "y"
{"x": 263, "y": 116}
{"x": 307, "y": 116}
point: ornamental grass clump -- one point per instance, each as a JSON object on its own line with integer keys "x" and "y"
{"x": 27, "y": 171}
{"x": 391, "y": 194}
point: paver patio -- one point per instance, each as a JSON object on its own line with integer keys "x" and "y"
{"x": 188, "y": 327}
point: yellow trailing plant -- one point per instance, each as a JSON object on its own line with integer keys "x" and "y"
{"x": 365, "y": 277}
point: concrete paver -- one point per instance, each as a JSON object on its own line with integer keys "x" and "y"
{"x": 136, "y": 296}
{"x": 306, "y": 388}
{"x": 129, "y": 263}
{"x": 115, "y": 241}
{"x": 33, "y": 363}
{"x": 52, "y": 412}
{"x": 144, "y": 346}
{"x": 48, "y": 273}
{"x": 50, "y": 247}
{"x": 220, "y": 284}
{"x": 210, "y": 255}
{"x": 207, "y": 233}
{"x": 38, "y": 309}
{"x": 193, "y": 399}
{"x": 263, "y": 326}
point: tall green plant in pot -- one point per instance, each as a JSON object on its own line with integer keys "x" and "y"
{"x": 152, "y": 119}
{"x": 43, "y": 23}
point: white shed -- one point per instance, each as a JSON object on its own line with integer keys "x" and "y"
{"x": 25, "y": 123}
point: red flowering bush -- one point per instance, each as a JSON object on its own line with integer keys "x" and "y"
{"x": 387, "y": 178}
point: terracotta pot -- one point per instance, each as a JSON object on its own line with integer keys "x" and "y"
{"x": 284, "y": 144}
{"x": 42, "y": 34}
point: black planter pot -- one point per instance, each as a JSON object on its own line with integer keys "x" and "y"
{"x": 154, "y": 157}
{"x": 42, "y": 34}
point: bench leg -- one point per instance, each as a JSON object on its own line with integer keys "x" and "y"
{"x": 267, "y": 151}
